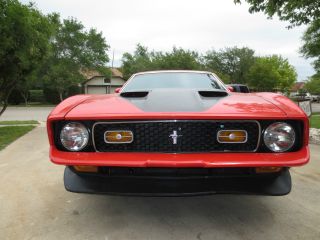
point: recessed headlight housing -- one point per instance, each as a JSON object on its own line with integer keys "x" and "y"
{"x": 279, "y": 137}
{"x": 74, "y": 136}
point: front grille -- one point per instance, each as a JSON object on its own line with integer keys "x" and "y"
{"x": 194, "y": 136}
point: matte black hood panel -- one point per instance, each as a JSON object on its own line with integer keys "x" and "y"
{"x": 176, "y": 100}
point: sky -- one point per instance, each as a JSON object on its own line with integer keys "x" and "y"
{"x": 199, "y": 25}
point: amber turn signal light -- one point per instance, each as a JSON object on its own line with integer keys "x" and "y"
{"x": 119, "y": 136}
{"x": 268, "y": 169}
{"x": 86, "y": 168}
{"x": 232, "y": 136}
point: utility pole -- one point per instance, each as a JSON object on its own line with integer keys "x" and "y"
{"x": 109, "y": 87}
{"x": 112, "y": 61}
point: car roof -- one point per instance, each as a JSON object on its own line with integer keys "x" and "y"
{"x": 172, "y": 71}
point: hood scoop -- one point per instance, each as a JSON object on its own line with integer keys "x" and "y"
{"x": 209, "y": 93}
{"x": 138, "y": 94}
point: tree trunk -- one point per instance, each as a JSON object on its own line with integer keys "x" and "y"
{"x": 61, "y": 96}
{"x": 25, "y": 97}
{"x": 4, "y": 107}
{"x": 5, "y": 99}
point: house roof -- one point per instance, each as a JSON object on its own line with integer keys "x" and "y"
{"x": 116, "y": 73}
{"x": 89, "y": 74}
{"x": 297, "y": 86}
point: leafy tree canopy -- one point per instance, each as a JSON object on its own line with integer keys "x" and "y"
{"x": 297, "y": 12}
{"x": 178, "y": 58}
{"x": 311, "y": 46}
{"x": 73, "y": 49}
{"x": 272, "y": 72}
{"x": 139, "y": 61}
{"x": 236, "y": 65}
{"x": 313, "y": 84}
{"x": 230, "y": 63}
{"x": 24, "y": 42}
{"x": 144, "y": 60}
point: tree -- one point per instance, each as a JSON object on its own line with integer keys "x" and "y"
{"x": 297, "y": 12}
{"x": 25, "y": 86}
{"x": 144, "y": 60}
{"x": 313, "y": 84}
{"x": 311, "y": 46}
{"x": 24, "y": 35}
{"x": 230, "y": 63}
{"x": 273, "y": 72}
{"x": 73, "y": 49}
{"x": 177, "y": 59}
{"x": 136, "y": 62}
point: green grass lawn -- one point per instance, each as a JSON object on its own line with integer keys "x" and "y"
{"x": 10, "y": 133}
{"x": 315, "y": 121}
{"x": 18, "y": 122}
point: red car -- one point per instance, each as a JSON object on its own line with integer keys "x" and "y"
{"x": 168, "y": 133}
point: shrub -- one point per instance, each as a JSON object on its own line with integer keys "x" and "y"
{"x": 15, "y": 97}
{"x": 74, "y": 90}
{"x": 36, "y": 96}
{"x": 51, "y": 96}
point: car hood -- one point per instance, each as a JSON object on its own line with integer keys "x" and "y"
{"x": 175, "y": 104}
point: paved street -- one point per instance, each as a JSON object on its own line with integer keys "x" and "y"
{"x": 316, "y": 107}
{"x": 26, "y": 113}
{"x": 34, "y": 205}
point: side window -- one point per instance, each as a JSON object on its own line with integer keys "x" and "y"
{"x": 107, "y": 80}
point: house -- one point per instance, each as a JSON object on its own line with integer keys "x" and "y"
{"x": 297, "y": 87}
{"x": 97, "y": 83}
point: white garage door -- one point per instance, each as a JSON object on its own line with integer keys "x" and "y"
{"x": 97, "y": 90}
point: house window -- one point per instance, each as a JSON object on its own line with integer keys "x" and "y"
{"x": 106, "y": 80}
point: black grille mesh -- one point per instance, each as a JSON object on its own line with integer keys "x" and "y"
{"x": 196, "y": 136}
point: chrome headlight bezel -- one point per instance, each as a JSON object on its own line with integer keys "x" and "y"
{"x": 77, "y": 132}
{"x": 278, "y": 132}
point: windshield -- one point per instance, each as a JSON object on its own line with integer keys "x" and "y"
{"x": 186, "y": 80}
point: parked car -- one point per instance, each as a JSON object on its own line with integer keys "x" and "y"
{"x": 239, "y": 88}
{"x": 169, "y": 133}
{"x": 315, "y": 98}
{"x": 301, "y": 96}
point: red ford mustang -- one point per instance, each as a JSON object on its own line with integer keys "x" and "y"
{"x": 168, "y": 133}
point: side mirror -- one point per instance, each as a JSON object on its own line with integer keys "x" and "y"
{"x": 117, "y": 90}
{"x": 230, "y": 89}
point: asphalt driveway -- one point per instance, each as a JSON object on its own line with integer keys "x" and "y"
{"x": 34, "y": 205}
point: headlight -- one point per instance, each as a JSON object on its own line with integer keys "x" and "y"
{"x": 279, "y": 137}
{"x": 74, "y": 136}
